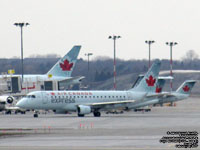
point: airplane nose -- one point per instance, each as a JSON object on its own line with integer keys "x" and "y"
{"x": 21, "y": 103}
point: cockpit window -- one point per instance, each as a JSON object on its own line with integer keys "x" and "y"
{"x": 30, "y": 96}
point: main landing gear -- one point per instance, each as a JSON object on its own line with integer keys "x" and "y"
{"x": 35, "y": 115}
{"x": 8, "y": 112}
{"x": 81, "y": 115}
{"x": 97, "y": 114}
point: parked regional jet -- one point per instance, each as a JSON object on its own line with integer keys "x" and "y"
{"x": 85, "y": 102}
{"x": 61, "y": 72}
{"x": 183, "y": 92}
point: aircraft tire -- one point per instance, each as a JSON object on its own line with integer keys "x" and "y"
{"x": 97, "y": 114}
{"x": 8, "y": 112}
{"x": 81, "y": 115}
{"x": 35, "y": 115}
{"x": 23, "y": 112}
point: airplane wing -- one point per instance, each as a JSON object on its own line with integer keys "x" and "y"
{"x": 73, "y": 80}
{"x": 78, "y": 78}
{"x": 12, "y": 108}
{"x": 104, "y": 104}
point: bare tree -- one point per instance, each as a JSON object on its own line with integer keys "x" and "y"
{"x": 190, "y": 55}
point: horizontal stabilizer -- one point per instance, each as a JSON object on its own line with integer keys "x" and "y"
{"x": 72, "y": 79}
{"x": 63, "y": 84}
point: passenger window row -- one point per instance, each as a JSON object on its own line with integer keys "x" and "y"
{"x": 88, "y": 97}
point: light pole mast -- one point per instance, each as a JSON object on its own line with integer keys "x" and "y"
{"x": 114, "y": 37}
{"x": 171, "y": 44}
{"x": 21, "y": 25}
{"x": 88, "y": 55}
{"x": 149, "y": 43}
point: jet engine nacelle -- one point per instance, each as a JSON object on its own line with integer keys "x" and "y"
{"x": 82, "y": 109}
{"x": 7, "y": 99}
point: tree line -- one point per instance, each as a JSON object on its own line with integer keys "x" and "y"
{"x": 100, "y": 69}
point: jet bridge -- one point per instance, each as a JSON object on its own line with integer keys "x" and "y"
{"x": 10, "y": 84}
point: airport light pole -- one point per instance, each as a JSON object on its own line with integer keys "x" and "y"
{"x": 149, "y": 43}
{"x": 21, "y": 25}
{"x": 88, "y": 55}
{"x": 114, "y": 37}
{"x": 171, "y": 44}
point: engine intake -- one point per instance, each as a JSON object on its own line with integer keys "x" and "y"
{"x": 10, "y": 99}
{"x": 82, "y": 109}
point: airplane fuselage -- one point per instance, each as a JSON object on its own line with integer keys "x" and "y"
{"x": 37, "y": 77}
{"x": 69, "y": 100}
{"x": 176, "y": 97}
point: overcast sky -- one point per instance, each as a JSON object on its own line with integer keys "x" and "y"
{"x": 57, "y": 25}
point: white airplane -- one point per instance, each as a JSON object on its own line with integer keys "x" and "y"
{"x": 61, "y": 72}
{"x": 183, "y": 92}
{"x": 6, "y": 104}
{"x": 85, "y": 102}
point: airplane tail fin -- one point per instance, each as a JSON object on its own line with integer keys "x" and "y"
{"x": 65, "y": 65}
{"x": 161, "y": 82}
{"x": 159, "y": 85}
{"x": 186, "y": 87}
{"x": 148, "y": 83}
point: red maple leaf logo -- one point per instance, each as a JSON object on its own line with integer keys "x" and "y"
{"x": 158, "y": 90}
{"x": 151, "y": 81}
{"x": 186, "y": 88}
{"x": 52, "y": 93}
{"x": 66, "y": 66}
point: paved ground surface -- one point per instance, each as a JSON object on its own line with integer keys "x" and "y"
{"x": 129, "y": 130}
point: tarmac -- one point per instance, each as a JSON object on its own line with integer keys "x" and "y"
{"x": 127, "y": 131}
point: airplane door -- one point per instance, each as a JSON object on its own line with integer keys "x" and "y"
{"x": 15, "y": 84}
{"x": 44, "y": 98}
